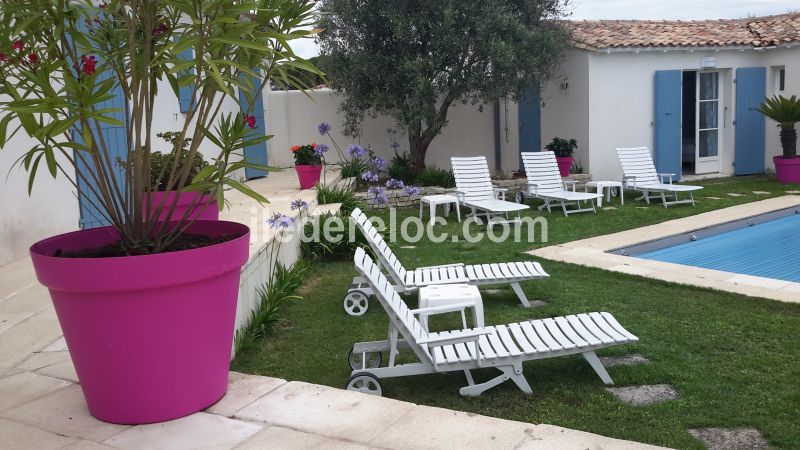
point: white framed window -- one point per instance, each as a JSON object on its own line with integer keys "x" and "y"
{"x": 779, "y": 79}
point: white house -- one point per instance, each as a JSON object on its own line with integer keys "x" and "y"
{"x": 687, "y": 90}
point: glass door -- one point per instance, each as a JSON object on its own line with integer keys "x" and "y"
{"x": 707, "y": 120}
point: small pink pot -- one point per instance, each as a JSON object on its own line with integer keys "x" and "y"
{"x": 787, "y": 170}
{"x": 150, "y": 336}
{"x": 564, "y": 165}
{"x": 308, "y": 175}
{"x": 204, "y": 206}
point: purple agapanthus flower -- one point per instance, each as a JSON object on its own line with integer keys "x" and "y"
{"x": 299, "y": 204}
{"x": 321, "y": 149}
{"x": 323, "y": 128}
{"x": 378, "y": 162}
{"x": 391, "y": 183}
{"x": 412, "y": 191}
{"x": 356, "y": 151}
{"x": 377, "y": 195}
{"x": 280, "y": 221}
{"x": 368, "y": 176}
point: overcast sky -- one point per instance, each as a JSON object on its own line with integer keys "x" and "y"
{"x": 652, "y": 9}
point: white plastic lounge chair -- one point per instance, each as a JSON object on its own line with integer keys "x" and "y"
{"x": 356, "y": 301}
{"x": 504, "y": 347}
{"x": 476, "y": 191}
{"x": 545, "y": 183}
{"x": 639, "y": 173}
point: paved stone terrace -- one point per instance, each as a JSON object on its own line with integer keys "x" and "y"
{"x": 41, "y": 405}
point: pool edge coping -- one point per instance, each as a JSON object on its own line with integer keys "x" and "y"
{"x": 593, "y": 252}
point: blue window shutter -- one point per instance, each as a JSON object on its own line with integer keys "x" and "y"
{"x": 256, "y": 154}
{"x": 667, "y": 122}
{"x": 117, "y": 142}
{"x": 186, "y": 93}
{"x": 751, "y": 88}
{"x": 529, "y": 115}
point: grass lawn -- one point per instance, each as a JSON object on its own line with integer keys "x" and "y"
{"x": 733, "y": 359}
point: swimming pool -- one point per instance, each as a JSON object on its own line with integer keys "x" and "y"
{"x": 765, "y": 246}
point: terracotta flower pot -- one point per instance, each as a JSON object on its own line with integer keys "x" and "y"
{"x": 308, "y": 175}
{"x": 787, "y": 170}
{"x": 205, "y": 206}
{"x": 564, "y": 165}
{"x": 150, "y": 336}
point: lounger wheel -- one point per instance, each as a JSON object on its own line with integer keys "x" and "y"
{"x": 519, "y": 197}
{"x": 356, "y": 360}
{"x": 356, "y": 303}
{"x": 366, "y": 383}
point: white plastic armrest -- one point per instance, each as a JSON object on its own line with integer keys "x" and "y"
{"x": 629, "y": 180}
{"x": 500, "y": 191}
{"x": 535, "y": 188}
{"x": 441, "y": 266}
{"x": 665, "y": 175}
{"x": 465, "y": 336}
{"x": 572, "y": 182}
{"x": 431, "y": 310}
{"x": 460, "y": 195}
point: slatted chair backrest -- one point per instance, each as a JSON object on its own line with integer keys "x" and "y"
{"x": 385, "y": 254}
{"x": 401, "y": 316}
{"x": 473, "y": 178}
{"x": 541, "y": 169}
{"x": 638, "y": 164}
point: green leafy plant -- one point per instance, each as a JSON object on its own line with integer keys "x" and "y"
{"x": 785, "y": 111}
{"x": 338, "y": 248}
{"x": 433, "y": 176}
{"x": 274, "y": 296}
{"x": 401, "y": 167}
{"x": 161, "y": 163}
{"x": 413, "y": 60}
{"x": 354, "y": 168}
{"x": 63, "y": 61}
{"x": 343, "y": 194}
{"x": 307, "y": 154}
{"x": 562, "y": 147}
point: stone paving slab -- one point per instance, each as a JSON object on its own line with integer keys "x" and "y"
{"x": 279, "y": 438}
{"x": 730, "y": 438}
{"x": 551, "y": 437}
{"x": 199, "y": 430}
{"x": 242, "y": 390}
{"x": 17, "y": 435}
{"x": 646, "y": 394}
{"x": 26, "y": 386}
{"x": 326, "y": 411}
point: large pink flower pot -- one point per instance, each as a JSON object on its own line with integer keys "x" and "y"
{"x": 308, "y": 175}
{"x": 150, "y": 336}
{"x": 564, "y": 165}
{"x": 787, "y": 170}
{"x": 203, "y": 207}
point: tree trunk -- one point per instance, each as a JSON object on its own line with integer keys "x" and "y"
{"x": 789, "y": 141}
{"x": 419, "y": 148}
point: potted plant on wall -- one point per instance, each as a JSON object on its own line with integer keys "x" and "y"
{"x": 196, "y": 205}
{"x": 308, "y": 161}
{"x": 785, "y": 111}
{"x": 563, "y": 148}
{"x": 147, "y": 307}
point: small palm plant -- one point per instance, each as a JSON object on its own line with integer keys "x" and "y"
{"x": 785, "y": 111}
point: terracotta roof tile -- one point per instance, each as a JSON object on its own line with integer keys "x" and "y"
{"x": 754, "y": 31}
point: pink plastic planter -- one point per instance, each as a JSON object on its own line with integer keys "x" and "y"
{"x": 564, "y": 165}
{"x": 787, "y": 170}
{"x": 308, "y": 175}
{"x": 150, "y": 336}
{"x": 205, "y": 207}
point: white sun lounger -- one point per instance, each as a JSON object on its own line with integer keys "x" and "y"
{"x": 639, "y": 173}
{"x": 356, "y": 301}
{"x": 545, "y": 183}
{"x": 476, "y": 191}
{"x": 504, "y": 347}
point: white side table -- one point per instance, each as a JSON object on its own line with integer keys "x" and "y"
{"x": 452, "y": 294}
{"x": 606, "y": 186}
{"x": 441, "y": 199}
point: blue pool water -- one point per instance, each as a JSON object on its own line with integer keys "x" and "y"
{"x": 770, "y": 249}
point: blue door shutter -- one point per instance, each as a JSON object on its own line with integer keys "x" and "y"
{"x": 751, "y": 88}
{"x": 256, "y": 154}
{"x": 667, "y": 122}
{"x": 529, "y": 115}
{"x": 117, "y": 142}
{"x": 186, "y": 93}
